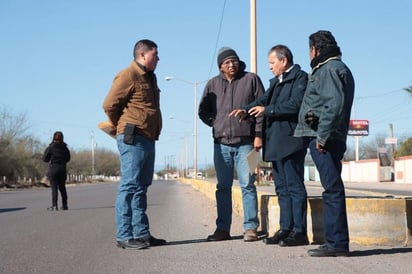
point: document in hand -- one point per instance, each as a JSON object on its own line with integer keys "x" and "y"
{"x": 253, "y": 159}
{"x": 108, "y": 127}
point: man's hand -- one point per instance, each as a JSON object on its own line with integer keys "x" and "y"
{"x": 240, "y": 113}
{"x": 320, "y": 148}
{"x": 312, "y": 120}
{"x": 256, "y": 111}
{"x": 257, "y": 143}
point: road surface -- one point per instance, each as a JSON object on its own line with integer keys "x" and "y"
{"x": 81, "y": 240}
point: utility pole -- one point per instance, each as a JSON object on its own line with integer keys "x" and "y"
{"x": 253, "y": 54}
{"x": 92, "y": 137}
{"x": 392, "y": 144}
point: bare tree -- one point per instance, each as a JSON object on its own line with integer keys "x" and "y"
{"x": 369, "y": 149}
{"x": 21, "y": 154}
{"x": 106, "y": 163}
{"x": 15, "y": 145}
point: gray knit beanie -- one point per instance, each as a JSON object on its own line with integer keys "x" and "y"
{"x": 225, "y": 53}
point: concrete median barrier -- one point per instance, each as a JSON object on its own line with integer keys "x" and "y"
{"x": 372, "y": 220}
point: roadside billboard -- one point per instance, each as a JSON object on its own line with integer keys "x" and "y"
{"x": 358, "y": 128}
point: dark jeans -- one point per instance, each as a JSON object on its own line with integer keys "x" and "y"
{"x": 334, "y": 205}
{"x": 290, "y": 188}
{"x": 57, "y": 178}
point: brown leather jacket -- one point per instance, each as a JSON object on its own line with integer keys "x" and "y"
{"x": 134, "y": 98}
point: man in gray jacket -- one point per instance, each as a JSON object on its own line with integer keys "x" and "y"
{"x": 233, "y": 140}
{"x": 323, "y": 121}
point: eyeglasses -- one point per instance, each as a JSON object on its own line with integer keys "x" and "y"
{"x": 230, "y": 61}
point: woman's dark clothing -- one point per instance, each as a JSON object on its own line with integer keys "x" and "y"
{"x": 57, "y": 155}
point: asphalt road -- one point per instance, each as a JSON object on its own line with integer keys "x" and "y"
{"x": 81, "y": 240}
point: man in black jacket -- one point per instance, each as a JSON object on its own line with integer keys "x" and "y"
{"x": 233, "y": 140}
{"x": 280, "y": 105}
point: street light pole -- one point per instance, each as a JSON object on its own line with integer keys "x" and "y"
{"x": 195, "y": 85}
{"x": 195, "y": 130}
{"x": 185, "y": 149}
{"x": 92, "y": 137}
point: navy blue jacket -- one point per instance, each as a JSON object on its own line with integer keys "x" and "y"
{"x": 282, "y": 102}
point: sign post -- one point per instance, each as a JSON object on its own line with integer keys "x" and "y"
{"x": 358, "y": 128}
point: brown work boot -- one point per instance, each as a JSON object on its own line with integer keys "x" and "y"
{"x": 219, "y": 235}
{"x": 250, "y": 235}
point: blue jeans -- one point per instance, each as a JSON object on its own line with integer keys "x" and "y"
{"x": 290, "y": 188}
{"x": 136, "y": 166}
{"x": 226, "y": 158}
{"x": 334, "y": 204}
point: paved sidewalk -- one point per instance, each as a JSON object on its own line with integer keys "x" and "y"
{"x": 379, "y": 189}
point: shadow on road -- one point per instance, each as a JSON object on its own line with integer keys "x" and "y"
{"x": 196, "y": 241}
{"x": 371, "y": 252}
{"x": 2, "y": 210}
{"x": 85, "y": 208}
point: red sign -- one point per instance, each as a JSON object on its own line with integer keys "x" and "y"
{"x": 358, "y": 128}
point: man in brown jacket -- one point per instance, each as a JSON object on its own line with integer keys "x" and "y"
{"x": 132, "y": 106}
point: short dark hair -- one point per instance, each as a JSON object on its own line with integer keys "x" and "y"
{"x": 282, "y": 51}
{"x": 143, "y": 45}
{"x": 321, "y": 40}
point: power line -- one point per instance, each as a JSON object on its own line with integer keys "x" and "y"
{"x": 217, "y": 39}
{"x": 378, "y": 95}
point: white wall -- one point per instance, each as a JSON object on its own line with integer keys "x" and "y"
{"x": 403, "y": 170}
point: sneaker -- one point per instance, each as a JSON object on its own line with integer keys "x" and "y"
{"x": 250, "y": 235}
{"x": 275, "y": 239}
{"x": 64, "y": 208}
{"x": 219, "y": 235}
{"x": 295, "y": 239}
{"x": 327, "y": 251}
{"x": 133, "y": 244}
{"x": 52, "y": 208}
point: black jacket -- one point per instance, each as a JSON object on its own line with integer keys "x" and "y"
{"x": 282, "y": 102}
{"x": 220, "y": 97}
{"x": 57, "y": 155}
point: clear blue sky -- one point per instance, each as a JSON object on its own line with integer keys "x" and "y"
{"x": 58, "y": 59}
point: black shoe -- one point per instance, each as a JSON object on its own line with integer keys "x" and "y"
{"x": 295, "y": 239}
{"x": 327, "y": 251}
{"x": 64, "y": 208}
{"x": 275, "y": 239}
{"x": 156, "y": 242}
{"x": 133, "y": 244}
{"x": 219, "y": 235}
{"x": 52, "y": 208}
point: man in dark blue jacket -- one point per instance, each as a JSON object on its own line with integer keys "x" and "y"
{"x": 232, "y": 88}
{"x": 324, "y": 121}
{"x": 280, "y": 107}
